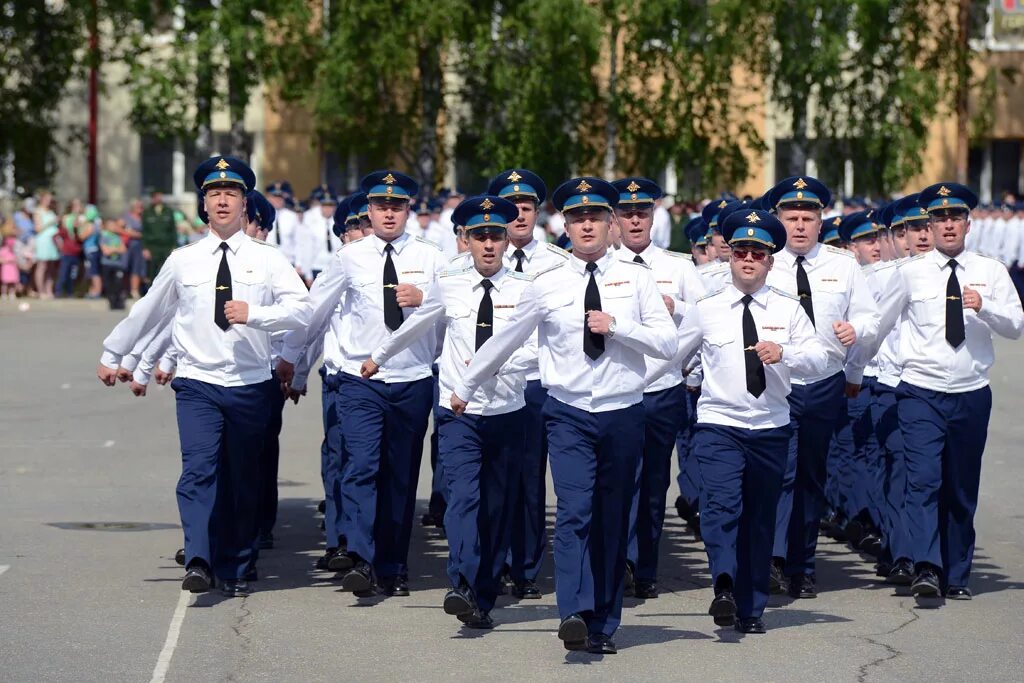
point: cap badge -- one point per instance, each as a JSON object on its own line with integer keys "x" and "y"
{"x": 514, "y": 177}
{"x": 389, "y": 179}
{"x": 486, "y": 204}
{"x": 583, "y": 186}
{"x": 800, "y": 184}
{"x": 223, "y": 165}
{"x": 633, "y": 187}
{"x": 944, "y": 191}
{"x": 750, "y": 232}
{"x": 753, "y": 218}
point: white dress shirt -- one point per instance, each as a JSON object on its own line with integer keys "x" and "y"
{"x": 715, "y": 275}
{"x": 677, "y": 278}
{"x": 661, "y": 228}
{"x": 260, "y": 276}
{"x": 716, "y": 327}
{"x": 355, "y": 280}
{"x": 918, "y": 292}
{"x": 320, "y": 244}
{"x": 454, "y": 302}
{"x": 151, "y": 355}
{"x": 285, "y": 233}
{"x": 553, "y": 304}
{"x": 537, "y": 258}
{"x": 886, "y": 364}
{"x": 839, "y": 293}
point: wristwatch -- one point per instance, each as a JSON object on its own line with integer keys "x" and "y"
{"x": 611, "y": 328}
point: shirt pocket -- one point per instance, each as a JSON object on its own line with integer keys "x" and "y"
{"x": 461, "y": 322}
{"x": 251, "y": 286}
{"x": 197, "y": 291}
{"x": 369, "y": 290}
{"x": 928, "y": 309}
{"x": 721, "y": 350}
{"x": 620, "y": 305}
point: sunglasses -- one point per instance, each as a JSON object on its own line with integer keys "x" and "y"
{"x": 742, "y": 254}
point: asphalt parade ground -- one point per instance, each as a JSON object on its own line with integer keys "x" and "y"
{"x": 89, "y": 590}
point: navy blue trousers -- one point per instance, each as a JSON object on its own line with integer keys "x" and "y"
{"x": 664, "y": 413}
{"x": 943, "y": 440}
{"x": 438, "y": 496}
{"x": 384, "y": 425}
{"x": 689, "y": 472}
{"x": 855, "y": 461}
{"x": 332, "y": 459}
{"x": 222, "y": 430}
{"x": 529, "y": 535}
{"x": 742, "y": 471}
{"x": 896, "y": 543}
{"x": 814, "y": 410}
{"x": 481, "y": 454}
{"x": 594, "y": 463}
{"x": 271, "y": 456}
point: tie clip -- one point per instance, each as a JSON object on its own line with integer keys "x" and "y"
{"x": 952, "y": 298}
{"x": 483, "y": 325}
{"x": 390, "y": 286}
{"x": 221, "y": 287}
{"x": 750, "y": 348}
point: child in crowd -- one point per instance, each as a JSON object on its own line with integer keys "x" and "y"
{"x": 10, "y": 277}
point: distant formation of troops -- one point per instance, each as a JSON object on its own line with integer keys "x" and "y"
{"x": 810, "y": 372}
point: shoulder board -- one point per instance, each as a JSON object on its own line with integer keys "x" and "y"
{"x": 456, "y": 271}
{"x": 711, "y": 294}
{"x": 676, "y": 254}
{"x": 424, "y": 241}
{"x": 634, "y": 263}
{"x": 266, "y": 244}
{"x": 457, "y": 257}
{"x": 712, "y": 268}
{"x": 516, "y": 275}
{"x": 784, "y": 293}
{"x": 884, "y": 265}
{"x": 975, "y": 253}
{"x": 836, "y": 250}
{"x": 186, "y": 246}
{"x": 554, "y": 248}
{"x": 547, "y": 270}
{"x": 910, "y": 259}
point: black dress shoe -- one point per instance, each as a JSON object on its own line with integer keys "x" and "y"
{"x": 926, "y": 584}
{"x": 527, "y": 590}
{"x": 629, "y": 580}
{"x": 750, "y": 625}
{"x": 321, "y": 507}
{"x": 573, "y": 632}
{"x": 197, "y": 579}
{"x": 682, "y": 508}
{"x": 882, "y": 569}
{"x": 777, "y": 583}
{"x": 600, "y": 644}
{"x": 321, "y": 562}
{"x": 477, "y": 619}
{"x": 251, "y": 574}
{"x": 871, "y": 544}
{"x": 723, "y": 609}
{"x": 359, "y": 579}
{"x": 395, "y": 586}
{"x": 646, "y": 590}
{"x": 838, "y": 530}
{"x": 179, "y": 556}
{"x": 802, "y": 587}
{"x": 901, "y": 574}
{"x": 854, "y": 531}
{"x": 266, "y": 541}
{"x": 959, "y": 593}
{"x": 429, "y": 519}
{"x": 235, "y": 589}
{"x": 459, "y": 601}
{"x": 340, "y": 561}
{"x": 694, "y": 523}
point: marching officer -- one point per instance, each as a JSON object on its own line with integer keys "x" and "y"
{"x": 286, "y": 225}
{"x": 664, "y": 399}
{"x": 228, "y": 293}
{"x": 836, "y": 298}
{"x": 598, "y": 317}
{"x": 751, "y": 337}
{"x": 383, "y": 420}
{"x": 482, "y": 448}
{"x": 525, "y": 254}
{"x": 952, "y": 301}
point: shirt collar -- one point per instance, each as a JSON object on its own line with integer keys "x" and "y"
{"x": 760, "y": 296}
{"x": 398, "y": 243}
{"x": 498, "y": 279}
{"x": 808, "y": 257}
{"x": 942, "y": 261}
{"x": 603, "y": 263}
{"x": 234, "y": 242}
{"x": 648, "y": 253}
{"x": 529, "y": 250}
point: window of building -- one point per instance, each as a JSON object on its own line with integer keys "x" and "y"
{"x": 157, "y": 157}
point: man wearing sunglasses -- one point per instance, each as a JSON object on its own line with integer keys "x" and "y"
{"x": 836, "y": 298}
{"x": 751, "y": 338}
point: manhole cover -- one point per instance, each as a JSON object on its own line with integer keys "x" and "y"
{"x": 112, "y": 526}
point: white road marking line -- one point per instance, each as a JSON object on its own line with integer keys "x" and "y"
{"x": 163, "y": 662}
{"x": 3, "y": 568}
{"x": 108, "y": 444}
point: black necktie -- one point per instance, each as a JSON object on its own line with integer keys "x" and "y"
{"x": 520, "y": 255}
{"x": 329, "y": 249}
{"x": 223, "y": 291}
{"x": 393, "y": 317}
{"x": 593, "y": 343}
{"x": 755, "y": 368}
{"x": 637, "y": 259}
{"x": 485, "y": 315}
{"x": 803, "y": 288}
{"x": 955, "y": 333}
{"x": 277, "y": 234}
